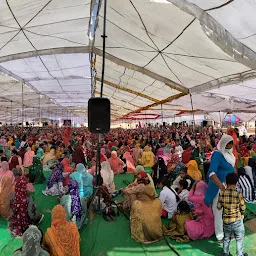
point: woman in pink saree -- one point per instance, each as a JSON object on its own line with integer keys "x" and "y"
{"x": 5, "y": 172}
{"x": 116, "y": 163}
{"x": 129, "y": 160}
{"x": 203, "y": 225}
{"x": 28, "y": 157}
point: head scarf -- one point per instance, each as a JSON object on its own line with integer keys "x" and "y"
{"x": 175, "y": 160}
{"x": 193, "y": 170}
{"x": 200, "y": 189}
{"x": 56, "y": 175}
{"x": 76, "y": 208}
{"x": 143, "y": 178}
{"x": 160, "y": 154}
{"x": 66, "y": 233}
{"x": 114, "y": 154}
{"x": 106, "y": 173}
{"x": 80, "y": 168}
{"x": 139, "y": 168}
{"x": 19, "y": 220}
{"x": 225, "y": 139}
{"x": 4, "y": 166}
{"x": 31, "y": 241}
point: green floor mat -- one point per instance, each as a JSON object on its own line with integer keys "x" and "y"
{"x": 101, "y": 238}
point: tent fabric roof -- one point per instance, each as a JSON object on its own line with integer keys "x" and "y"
{"x": 157, "y": 52}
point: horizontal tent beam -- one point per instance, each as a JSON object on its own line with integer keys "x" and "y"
{"x": 142, "y": 70}
{"x": 174, "y": 97}
{"x": 224, "y": 81}
{"x": 53, "y": 51}
{"x": 127, "y": 90}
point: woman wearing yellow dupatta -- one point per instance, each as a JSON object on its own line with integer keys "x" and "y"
{"x": 5, "y": 195}
{"x": 193, "y": 170}
{"x": 62, "y": 237}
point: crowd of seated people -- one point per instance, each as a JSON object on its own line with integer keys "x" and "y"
{"x": 177, "y": 174}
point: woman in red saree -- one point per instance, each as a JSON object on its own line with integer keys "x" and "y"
{"x": 232, "y": 133}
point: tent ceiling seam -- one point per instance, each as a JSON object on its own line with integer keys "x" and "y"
{"x": 127, "y": 90}
{"x": 142, "y": 70}
{"x": 134, "y": 7}
{"x": 177, "y": 96}
{"x": 220, "y": 6}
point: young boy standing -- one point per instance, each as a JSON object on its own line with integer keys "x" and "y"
{"x": 233, "y": 206}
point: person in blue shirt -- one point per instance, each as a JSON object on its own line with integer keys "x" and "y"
{"x": 222, "y": 163}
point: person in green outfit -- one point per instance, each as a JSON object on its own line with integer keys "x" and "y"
{"x": 35, "y": 171}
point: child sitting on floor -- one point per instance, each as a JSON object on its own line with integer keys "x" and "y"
{"x": 184, "y": 176}
{"x": 176, "y": 228}
{"x": 183, "y": 192}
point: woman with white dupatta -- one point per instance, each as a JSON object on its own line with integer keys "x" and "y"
{"x": 108, "y": 176}
{"x": 222, "y": 163}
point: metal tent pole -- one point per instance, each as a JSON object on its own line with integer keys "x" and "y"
{"x": 193, "y": 114}
{"x": 11, "y": 112}
{"x": 22, "y": 106}
{"x": 103, "y": 48}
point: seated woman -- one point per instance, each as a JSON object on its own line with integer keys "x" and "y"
{"x": 174, "y": 165}
{"x": 35, "y": 171}
{"x": 49, "y": 160}
{"x": 245, "y": 185}
{"x": 116, "y": 163}
{"x": 169, "y": 198}
{"x": 140, "y": 168}
{"x": 146, "y": 224}
{"x": 55, "y": 182}
{"x": 5, "y": 195}
{"x": 159, "y": 170}
{"x": 108, "y": 176}
{"x": 84, "y": 180}
{"x": 28, "y": 157}
{"x": 203, "y": 224}
{"x": 15, "y": 160}
{"x": 148, "y": 158}
{"x": 23, "y": 210}
{"x": 135, "y": 190}
{"x": 176, "y": 229}
{"x": 74, "y": 206}
{"x": 32, "y": 243}
{"x": 129, "y": 160}
{"x": 5, "y": 172}
{"x": 62, "y": 237}
{"x": 193, "y": 170}
{"x": 67, "y": 170}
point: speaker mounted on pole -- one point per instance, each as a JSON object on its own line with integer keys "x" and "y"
{"x": 99, "y": 115}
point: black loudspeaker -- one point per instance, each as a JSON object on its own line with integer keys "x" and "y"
{"x": 164, "y": 124}
{"x": 99, "y": 115}
{"x": 205, "y": 123}
{"x": 27, "y": 123}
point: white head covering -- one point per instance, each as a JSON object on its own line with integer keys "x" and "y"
{"x": 107, "y": 175}
{"x": 31, "y": 241}
{"x": 225, "y": 139}
{"x": 192, "y": 143}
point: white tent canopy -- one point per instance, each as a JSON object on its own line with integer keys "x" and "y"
{"x": 157, "y": 53}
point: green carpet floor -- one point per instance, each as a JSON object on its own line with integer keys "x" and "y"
{"x": 101, "y": 238}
